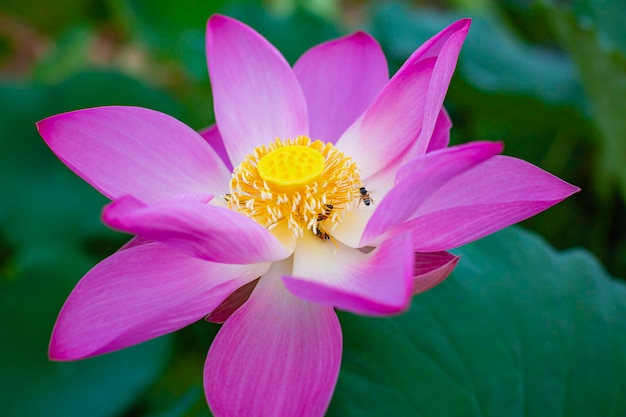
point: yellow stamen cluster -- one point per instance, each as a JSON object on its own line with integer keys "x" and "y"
{"x": 306, "y": 184}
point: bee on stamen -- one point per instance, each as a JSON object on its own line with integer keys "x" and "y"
{"x": 319, "y": 231}
{"x": 326, "y": 213}
{"x": 365, "y": 196}
{"x": 321, "y": 234}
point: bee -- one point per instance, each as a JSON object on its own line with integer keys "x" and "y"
{"x": 326, "y": 213}
{"x": 321, "y": 234}
{"x": 365, "y": 196}
{"x": 318, "y": 230}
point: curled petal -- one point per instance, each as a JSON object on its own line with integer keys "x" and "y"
{"x": 205, "y": 231}
{"x": 388, "y": 127}
{"x": 340, "y": 79}
{"x": 407, "y": 105}
{"x": 256, "y": 94}
{"x": 382, "y": 182}
{"x": 374, "y": 283}
{"x": 130, "y": 150}
{"x": 450, "y": 40}
{"x": 431, "y": 269}
{"x": 277, "y": 355}
{"x": 496, "y": 194}
{"x": 441, "y": 132}
{"x": 419, "y": 179}
{"x": 138, "y": 294}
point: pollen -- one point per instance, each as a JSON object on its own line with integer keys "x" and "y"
{"x": 306, "y": 185}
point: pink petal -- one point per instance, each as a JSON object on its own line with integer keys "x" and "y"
{"x": 277, "y": 355}
{"x": 441, "y": 133}
{"x": 404, "y": 108}
{"x": 212, "y": 135}
{"x": 138, "y": 294}
{"x": 136, "y": 151}
{"x": 448, "y": 53}
{"x": 205, "y": 231}
{"x": 431, "y": 269}
{"x": 387, "y": 128}
{"x": 256, "y": 94}
{"x": 340, "y": 79}
{"x": 382, "y": 182}
{"x": 374, "y": 283}
{"x": 417, "y": 180}
{"x": 496, "y": 194}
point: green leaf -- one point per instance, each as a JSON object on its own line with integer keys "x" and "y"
{"x": 607, "y": 16}
{"x": 71, "y": 54}
{"x": 55, "y": 19}
{"x": 184, "y": 404}
{"x": 602, "y": 68}
{"x": 518, "y": 330}
{"x": 174, "y": 30}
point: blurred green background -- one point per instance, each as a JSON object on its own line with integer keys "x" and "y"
{"x": 546, "y": 77}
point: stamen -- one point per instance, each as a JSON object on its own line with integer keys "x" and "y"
{"x": 298, "y": 177}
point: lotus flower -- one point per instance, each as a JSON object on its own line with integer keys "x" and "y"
{"x": 322, "y": 186}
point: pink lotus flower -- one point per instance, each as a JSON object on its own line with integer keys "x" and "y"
{"x": 344, "y": 195}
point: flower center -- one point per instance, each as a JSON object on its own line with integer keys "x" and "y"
{"x": 291, "y": 166}
{"x": 307, "y": 185}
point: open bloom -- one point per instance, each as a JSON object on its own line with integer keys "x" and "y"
{"x": 322, "y": 186}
